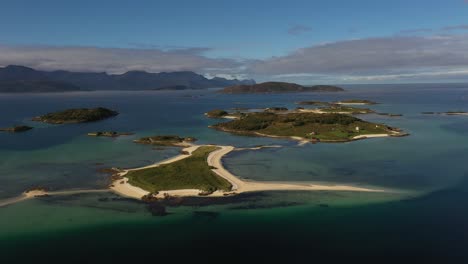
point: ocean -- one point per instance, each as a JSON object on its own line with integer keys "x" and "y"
{"x": 421, "y": 218}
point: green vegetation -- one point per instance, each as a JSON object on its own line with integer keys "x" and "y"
{"x": 216, "y": 113}
{"x": 79, "y": 115}
{"x": 190, "y": 173}
{"x": 333, "y": 108}
{"x": 315, "y": 126}
{"x": 357, "y": 101}
{"x": 165, "y": 140}
{"x": 16, "y": 129}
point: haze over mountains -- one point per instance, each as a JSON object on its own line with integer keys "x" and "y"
{"x": 23, "y": 79}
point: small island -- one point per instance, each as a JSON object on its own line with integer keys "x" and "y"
{"x": 342, "y": 109}
{"x": 278, "y": 87}
{"x": 356, "y": 102}
{"x": 108, "y": 134}
{"x": 16, "y": 129}
{"x": 217, "y": 113}
{"x": 200, "y": 172}
{"x": 167, "y": 140}
{"x": 77, "y": 115}
{"x": 307, "y": 126}
{"x": 318, "y": 103}
{"x": 462, "y": 113}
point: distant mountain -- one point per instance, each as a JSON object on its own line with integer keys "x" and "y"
{"x": 25, "y": 79}
{"x": 278, "y": 87}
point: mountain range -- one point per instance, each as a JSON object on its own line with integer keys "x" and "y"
{"x": 15, "y": 78}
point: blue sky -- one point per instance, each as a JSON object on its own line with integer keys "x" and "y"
{"x": 265, "y": 40}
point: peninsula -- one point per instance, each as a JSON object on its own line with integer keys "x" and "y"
{"x": 77, "y": 115}
{"x": 278, "y": 87}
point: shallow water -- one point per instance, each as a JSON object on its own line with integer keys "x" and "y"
{"x": 428, "y": 169}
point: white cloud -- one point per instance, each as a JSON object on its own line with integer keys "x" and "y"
{"x": 112, "y": 60}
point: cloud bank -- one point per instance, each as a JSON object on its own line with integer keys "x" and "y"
{"x": 373, "y": 57}
{"x": 112, "y": 60}
{"x": 385, "y": 59}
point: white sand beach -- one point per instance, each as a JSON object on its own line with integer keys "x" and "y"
{"x": 214, "y": 159}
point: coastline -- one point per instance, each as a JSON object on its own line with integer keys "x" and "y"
{"x": 43, "y": 193}
{"x": 303, "y": 141}
{"x": 123, "y": 188}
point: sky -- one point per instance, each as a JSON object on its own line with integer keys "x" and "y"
{"x": 303, "y": 41}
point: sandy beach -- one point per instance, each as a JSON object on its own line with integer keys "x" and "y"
{"x": 38, "y": 193}
{"x": 122, "y": 187}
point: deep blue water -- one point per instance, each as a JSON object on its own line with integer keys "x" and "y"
{"x": 425, "y": 222}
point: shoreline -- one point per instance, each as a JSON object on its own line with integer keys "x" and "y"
{"x": 123, "y": 188}
{"x": 302, "y": 141}
{"x": 27, "y": 195}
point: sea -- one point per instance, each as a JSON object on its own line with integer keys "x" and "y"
{"x": 421, "y": 218}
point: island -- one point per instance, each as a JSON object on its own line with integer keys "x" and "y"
{"x": 166, "y": 140}
{"x": 340, "y": 109}
{"x": 307, "y": 126}
{"x": 318, "y": 103}
{"x": 109, "y": 134}
{"x": 356, "y": 102}
{"x": 200, "y": 172}
{"x": 278, "y": 87}
{"x": 16, "y": 129}
{"x": 462, "y": 113}
{"x": 77, "y": 115}
{"x": 217, "y": 113}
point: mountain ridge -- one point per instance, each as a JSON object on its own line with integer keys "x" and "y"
{"x": 62, "y": 80}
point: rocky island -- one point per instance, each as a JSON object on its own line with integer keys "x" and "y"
{"x": 108, "y": 134}
{"x": 167, "y": 140}
{"x": 77, "y": 115}
{"x": 278, "y": 87}
{"x": 307, "y": 126}
{"x": 16, "y": 129}
{"x": 462, "y": 113}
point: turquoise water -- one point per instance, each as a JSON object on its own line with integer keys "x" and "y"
{"x": 424, "y": 217}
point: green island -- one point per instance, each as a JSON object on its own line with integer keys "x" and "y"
{"x": 333, "y": 108}
{"x": 217, "y": 113}
{"x": 278, "y": 87}
{"x": 108, "y": 134}
{"x": 166, "y": 140}
{"x": 357, "y": 101}
{"x": 16, "y": 129}
{"x": 326, "y": 127}
{"x": 192, "y": 172}
{"x": 77, "y": 115}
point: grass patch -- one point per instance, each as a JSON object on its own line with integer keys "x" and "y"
{"x": 190, "y": 173}
{"x": 326, "y": 127}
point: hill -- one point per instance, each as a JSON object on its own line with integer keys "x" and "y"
{"x": 278, "y": 87}
{"x": 23, "y": 79}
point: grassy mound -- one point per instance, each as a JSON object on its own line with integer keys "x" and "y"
{"x": 190, "y": 173}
